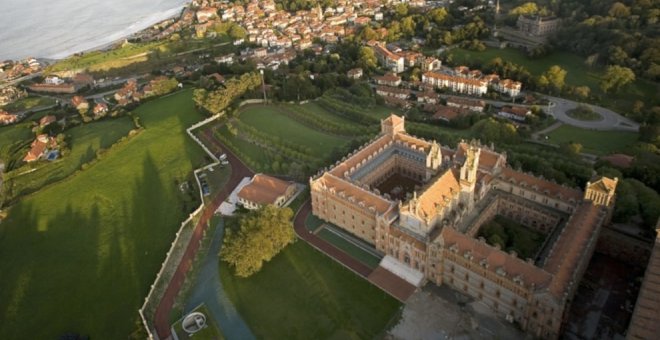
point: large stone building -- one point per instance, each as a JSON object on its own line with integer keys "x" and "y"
{"x": 645, "y": 321}
{"x": 423, "y": 205}
{"x": 537, "y": 25}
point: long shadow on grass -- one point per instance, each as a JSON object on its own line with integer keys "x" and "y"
{"x": 54, "y": 263}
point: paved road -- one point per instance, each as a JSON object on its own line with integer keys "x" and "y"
{"x": 611, "y": 120}
{"x": 239, "y": 170}
{"x": 208, "y": 290}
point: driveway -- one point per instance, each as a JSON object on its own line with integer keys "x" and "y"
{"x": 208, "y": 290}
{"x": 611, "y": 120}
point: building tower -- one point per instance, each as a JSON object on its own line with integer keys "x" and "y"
{"x": 602, "y": 192}
{"x": 433, "y": 160}
{"x": 392, "y": 125}
{"x": 468, "y": 178}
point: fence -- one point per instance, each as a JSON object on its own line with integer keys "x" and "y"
{"x": 172, "y": 251}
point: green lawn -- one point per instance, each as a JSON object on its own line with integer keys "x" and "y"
{"x": 315, "y": 108}
{"x": 578, "y": 74}
{"x": 303, "y": 294}
{"x": 13, "y": 134}
{"x": 349, "y": 248}
{"x": 79, "y": 256}
{"x": 28, "y": 103}
{"x": 274, "y": 123}
{"x": 253, "y": 151}
{"x": 596, "y": 142}
{"x": 85, "y": 140}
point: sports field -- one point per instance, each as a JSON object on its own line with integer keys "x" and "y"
{"x": 303, "y": 294}
{"x": 595, "y": 142}
{"x": 79, "y": 256}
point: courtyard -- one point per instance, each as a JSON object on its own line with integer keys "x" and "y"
{"x": 511, "y": 235}
{"x": 398, "y": 186}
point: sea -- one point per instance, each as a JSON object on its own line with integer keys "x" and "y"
{"x": 55, "y": 29}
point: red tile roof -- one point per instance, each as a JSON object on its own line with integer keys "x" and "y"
{"x": 264, "y": 189}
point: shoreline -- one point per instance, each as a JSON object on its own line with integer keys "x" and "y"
{"x": 173, "y": 13}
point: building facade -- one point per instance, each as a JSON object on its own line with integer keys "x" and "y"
{"x": 537, "y": 25}
{"x": 422, "y": 205}
{"x": 456, "y": 83}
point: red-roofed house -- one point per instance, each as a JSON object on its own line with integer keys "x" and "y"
{"x": 7, "y": 118}
{"x": 80, "y": 103}
{"x": 39, "y": 147}
{"x": 517, "y": 113}
{"x": 264, "y": 190}
{"x": 46, "y": 120}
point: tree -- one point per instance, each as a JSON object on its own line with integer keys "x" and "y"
{"x": 367, "y": 58}
{"x": 571, "y": 148}
{"x": 408, "y": 26}
{"x": 582, "y": 91}
{"x": 401, "y": 10}
{"x": 616, "y": 77}
{"x": 529, "y": 8}
{"x": 619, "y": 10}
{"x": 556, "y": 77}
{"x": 261, "y": 235}
{"x": 438, "y": 15}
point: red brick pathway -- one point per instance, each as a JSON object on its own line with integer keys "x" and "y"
{"x": 239, "y": 171}
{"x": 394, "y": 285}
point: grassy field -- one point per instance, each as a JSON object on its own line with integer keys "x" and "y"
{"x": 595, "y": 142}
{"x": 9, "y": 135}
{"x": 313, "y": 107}
{"x": 266, "y": 119}
{"x": 79, "y": 256}
{"x": 84, "y": 142}
{"x": 302, "y": 294}
{"x": 578, "y": 74}
{"x": 349, "y": 248}
{"x": 28, "y": 103}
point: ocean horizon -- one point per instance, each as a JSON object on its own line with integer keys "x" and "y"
{"x": 55, "y": 29}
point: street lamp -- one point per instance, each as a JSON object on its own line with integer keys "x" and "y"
{"x": 263, "y": 85}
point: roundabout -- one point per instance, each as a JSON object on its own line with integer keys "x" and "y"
{"x": 608, "y": 120}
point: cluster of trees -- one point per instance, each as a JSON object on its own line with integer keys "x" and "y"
{"x": 510, "y": 235}
{"x": 162, "y": 86}
{"x": 216, "y": 101}
{"x": 259, "y": 236}
{"x": 556, "y": 165}
{"x": 611, "y": 32}
{"x": 635, "y": 198}
{"x": 495, "y": 131}
{"x": 231, "y": 29}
